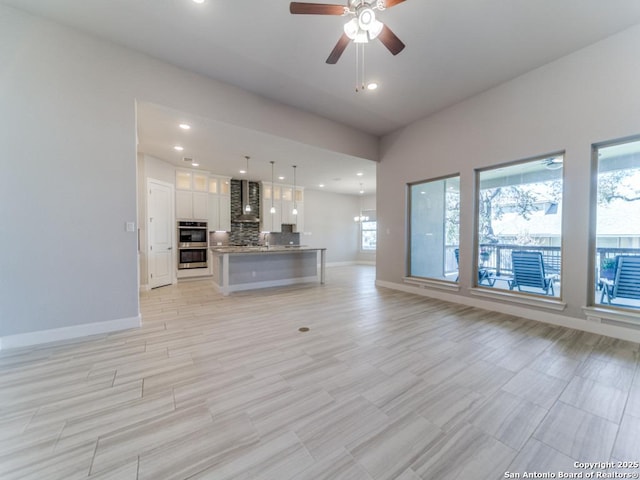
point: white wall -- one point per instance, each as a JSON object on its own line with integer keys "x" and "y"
{"x": 328, "y": 222}
{"x": 587, "y": 97}
{"x": 68, "y": 183}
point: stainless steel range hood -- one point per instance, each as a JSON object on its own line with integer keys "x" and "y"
{"x": 246, "y": 217}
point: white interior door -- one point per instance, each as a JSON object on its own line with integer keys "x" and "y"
{"x": 160, "y": 225}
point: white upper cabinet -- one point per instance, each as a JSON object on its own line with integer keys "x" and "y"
{"x": 200, "y": 182}
{"x": 225, "y": 213}
{"x": 219, "y": 204}
{"x": 183, "y": 179}
{"x": 200, "y": 205}
{"x": 284, "y": 199}
{"x": 201, "y": 196}
{"x": 271, "y": 222}
{"x": 184, "y": 204}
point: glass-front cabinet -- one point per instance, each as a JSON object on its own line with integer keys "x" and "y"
{"x": 202, "y": 196}
{"x": 283, "y": 200}
{"x": 183, "y": 179}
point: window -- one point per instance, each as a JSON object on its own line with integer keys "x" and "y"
{"x": 368, "y": 230}
{"x": 434, "y": 228}
{"x": 519, "y": 225}
{"x": 617, "y": 237}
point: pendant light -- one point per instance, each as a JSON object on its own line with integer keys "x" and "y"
{"x": 295, "y": 210}
{"x": 361, "y": 218}
{"x": 273, "y": 209}
{"x": 247, "y": 207}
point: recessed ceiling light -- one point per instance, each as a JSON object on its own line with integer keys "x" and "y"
{"x": 321, "y": 185}
{"x": 243, "y": 171}
{"x": 361, "y": 192}
{"x": 178, "y": 148}
{"x": 359, "y": 174}
{"x": 372, "y": 86}
{"x": 280, "y": 178}
{"x": 198, "y": 1}
{"x": 194, "y": 164}
{"x": 185, "y": 126}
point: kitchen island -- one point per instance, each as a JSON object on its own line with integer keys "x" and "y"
{"x": 247, "y": 268}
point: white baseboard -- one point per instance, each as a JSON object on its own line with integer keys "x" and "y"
{"x": 144, "y": 288}
{"x": 583, "y": 324}
{"x": 67, "y": 333}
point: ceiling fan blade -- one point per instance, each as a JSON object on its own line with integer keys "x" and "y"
{"x": 315, "y": 8}
{"x": 338, "y": 49}
{"x": 390, "y": 40}
{"x": 392, "y": 3}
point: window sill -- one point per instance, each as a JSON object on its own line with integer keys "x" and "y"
{"x": 532, "y": 301}
{"x": 611, "y": 316}
{"x": 432, "y": 283}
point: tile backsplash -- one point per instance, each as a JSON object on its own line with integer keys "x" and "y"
{"x": 244, "y": 233}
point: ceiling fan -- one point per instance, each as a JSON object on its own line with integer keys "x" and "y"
{"x": 553, "y": 163}
{"x": 361, "y": 28}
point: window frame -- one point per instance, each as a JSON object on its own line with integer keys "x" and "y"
{"x": 362, "y": 230}
{"x": 593, "y": 308}
{"x": 486, "y": 290}
{"x": 409, "y": 210}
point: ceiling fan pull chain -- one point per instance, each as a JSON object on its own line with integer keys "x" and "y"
{"x": 357, "y": 68}
{"x": 363, "y": 73}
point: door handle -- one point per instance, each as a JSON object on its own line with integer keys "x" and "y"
{"x": 169, "y": 248}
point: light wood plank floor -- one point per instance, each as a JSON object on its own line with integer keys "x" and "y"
{"x": 384, "y": 385}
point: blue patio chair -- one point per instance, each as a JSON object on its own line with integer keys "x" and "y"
{"x": 626, "y": 282}
{"x": 483, "y": 273}
{"x": 528, "y": 271}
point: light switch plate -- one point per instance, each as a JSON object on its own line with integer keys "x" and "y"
{"x": 130, "y": 226}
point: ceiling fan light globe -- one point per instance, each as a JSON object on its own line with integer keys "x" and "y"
{"x": 351, "y": 28}
{"x": 375, "y": 29}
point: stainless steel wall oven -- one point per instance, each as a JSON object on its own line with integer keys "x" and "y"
{"x": 192, "y": 245}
